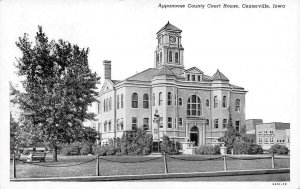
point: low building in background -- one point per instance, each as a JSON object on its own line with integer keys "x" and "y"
{"x": 251, "y": 128}
{"x": 268, "y": 134}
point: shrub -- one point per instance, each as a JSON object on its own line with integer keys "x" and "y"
{"x": 85, "y": 149}
{"x": 247, "y": 148}
{"x": 66, "y": 150}
{"x": 278, "y": 149}
{"x": 255, "y": 149}
{"x": 208, "y": 150}
{"x": 166, "y": 145}
{"x": 111, "y": 151}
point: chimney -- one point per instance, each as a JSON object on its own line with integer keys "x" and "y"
{"x": 107, "y": 69}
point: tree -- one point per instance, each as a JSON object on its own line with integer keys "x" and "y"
{"x": 58, "y": 88}
{"x": 13, "y": 133}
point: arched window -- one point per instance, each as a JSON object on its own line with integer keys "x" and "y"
{"x": 160, "y": 101}
{"x": 104, "y": 104}
{"x": 145, "y": 101}
{"x": 153, "y": 99}
{"x": 224, "y": 102}
{"x": 207, "y": 103}
{"x": 170, "y": 56}
{"x": 109, "y": 103}
{"x": 215, "y": 102}
{"x": 157, "y": 57}
{"x": 237, "y": 105}
{"x": 194, "y": 106}
{"x": 169, "y": 98}
{"x": 176, "y": 57}
{"x": 134, "y": 100}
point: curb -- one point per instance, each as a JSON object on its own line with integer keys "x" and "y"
{"x": 156, "y": 176}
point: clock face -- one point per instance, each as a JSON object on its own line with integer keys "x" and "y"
{"x": 172, "y": 39}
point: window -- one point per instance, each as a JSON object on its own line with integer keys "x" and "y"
{"x": 271, "y": 140}
{"x": 207, "y": 103}
{"x": 153, "y": 100}
{"x": 169, "y": 98}
{"x": 180, "y": 101}
{"x": 193, "y": 78}
{"x": 109, "y": 103}
{"x": 259, "y": 132}
{"x": 175, "y": 99}
{"x": 118, "y": 101}
{"x": 260, "y": 140}
{"x": 266, "y": 140}
{"x": 105, "y": 126}
{"x": 146, "y": 124}
{"x": 161, "y": 122}
{"x": 237, "y": 105}
{"x": 146, "y": 101}
{"x": 160, "y": 101}
{"x": 215, "y": 102}
{"x": 224, "y": 102}
{"x": 109, "y": 126}
{"x": 134, "y": 100}
{"x": 271, "y": 132}
{"x": 237, "y": 125}
{"x": 207, "y": 122}
{"x": 134, "y": 123}
{"x": 188, "y": 77}
{"x": 176, "y": 57}
{"x": 121, "y": 100}
{"x": 216, "y": 123}
{"x": 199, "y": 78}
{"x": 169, "y": 122}
{"x": 224, "y": 123}
{"x": 180, "y": 122}
{"x": 170, "y": 56}
{"x": 194, "y": 106}
{"x": 157, "y": 57}
{"x": 160, "y": 56}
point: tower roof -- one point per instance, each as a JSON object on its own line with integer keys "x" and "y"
{"x": 219, "y": 76}
{"x": 170, "y": 27}
{"x": 164, "y": 71}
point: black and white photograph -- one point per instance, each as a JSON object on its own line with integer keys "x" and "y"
{"x": 130, "y": 94}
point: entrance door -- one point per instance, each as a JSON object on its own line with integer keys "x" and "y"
{"x": 194, "y": 135}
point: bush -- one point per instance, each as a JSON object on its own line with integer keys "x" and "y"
{"x": 85, "y": 149}
{"x": 278, "y": 149}
{"x": 255, "y": 149}
{"x": 66, "y": 150}
{"x": 166, "y": 145}
{"x": 208, "y": 150}
{"x": 247, "y": 148}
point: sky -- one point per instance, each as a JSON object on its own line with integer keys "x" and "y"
{"x": 257, "y": 49}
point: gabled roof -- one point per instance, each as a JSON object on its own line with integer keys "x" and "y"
{"x": 194, "y": 70}
{"x": 145, "y": 75}
{"x": 219, "y": 76}
{"x": 170, "y": 27}
{"x": 164, "y": 71}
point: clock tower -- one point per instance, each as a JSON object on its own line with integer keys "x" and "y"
{"x": 169, "y": 51}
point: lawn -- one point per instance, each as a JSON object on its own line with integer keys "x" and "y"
{"x": 24, "y": 170}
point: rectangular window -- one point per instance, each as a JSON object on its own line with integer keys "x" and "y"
{"x": 175, "y": 99}
{"x": 224, "y": 123}
{"x": 199, "y": 79}
{"x": 266, "y": 140}
{"x": 193, "y": 78}
{"x": 207, "y": 122}
{"x": 260, "y": 140}
{"x": 153, "y": 99}
{"x": 109, "y": 126}
{"x": 271, "y": 140}
{"x": 160, "y": 101}
{"x": 118, "y": 101}
{"x": 169, "y": 122}
{"x": 169, "y": 98}
{"x": 224, "y": 102}
{"x": 161, "y": 122}
{"x": 146, "y": 124}
{"x": 180, "y": 101}
{"x": 188, "y": 77}
{"x": 121, "y": 100}
{"x": 134, "y": 123}
{"x": 216, "y": 123}
{"x": 259, "y": 132}
{"x": 180, "y": 122}
{"x": 237, "y": 125}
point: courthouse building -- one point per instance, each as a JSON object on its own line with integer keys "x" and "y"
{"x": 190, "y": 104}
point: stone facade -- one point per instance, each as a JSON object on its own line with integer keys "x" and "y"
{"x": 190, "y": 104}
{"x": 268, "y": 134}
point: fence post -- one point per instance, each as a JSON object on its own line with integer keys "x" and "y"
{"x": 97, "y": 166}
{"x": 273, "y": 162}
{"x": 14, "y": 167}
{"x": 225, "y": 164}
{"x": 166, "y": 164}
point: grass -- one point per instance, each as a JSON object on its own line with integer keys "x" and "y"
{"x": 24, "y": 170}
